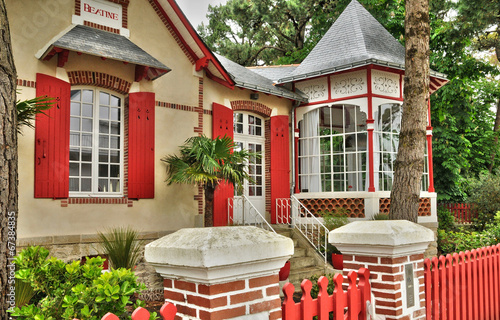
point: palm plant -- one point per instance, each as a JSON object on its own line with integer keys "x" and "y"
{"x": 207, "y": 162}
{"x": 122, "y": 246}
{"x": 28, "y": 109}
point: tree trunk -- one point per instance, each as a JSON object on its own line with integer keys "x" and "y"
{"x": 409, "y": 162}
{"x": 496, "y": 128}
{"x": 8, "y": 166}
{"x": 209, "y": 205}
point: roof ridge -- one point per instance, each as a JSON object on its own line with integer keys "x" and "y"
{"x": 274, "y": 66}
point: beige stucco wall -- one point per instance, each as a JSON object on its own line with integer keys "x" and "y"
{"x": 33, "y": 24}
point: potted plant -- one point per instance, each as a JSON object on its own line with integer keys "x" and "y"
{"x": 333, "y": 220}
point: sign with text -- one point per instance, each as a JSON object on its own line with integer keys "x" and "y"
{"x": 102, "y": 12}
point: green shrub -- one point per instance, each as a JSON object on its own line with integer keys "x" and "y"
{"x": 381, "y": 216}
{"x": 315, "y": 288}
{"x": 484, "y": 193}
{"x": 333, "y": 220}
{"x": 24, "y": 292}
{"x": 71, "y": 290}
{"x": 122, "y": 246}
{"x": 446, "y": 219}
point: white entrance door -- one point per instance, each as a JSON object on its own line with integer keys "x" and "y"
{"x": 249, "y": 134}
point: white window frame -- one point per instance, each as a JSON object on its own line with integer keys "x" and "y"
{"x": 95, "y": 147}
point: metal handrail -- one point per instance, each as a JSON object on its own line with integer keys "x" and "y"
{"x": 249, "y": 215}
{"x": 310, "y": 226}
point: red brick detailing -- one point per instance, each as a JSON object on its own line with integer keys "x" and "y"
{"x": 392, "y": 304}
{"x": 386, "y": 286}
{"x": 356, "y": 206}
{"x": 99, "y": 79}
{"x": 263, "y": 281}
{"x": 176, "y": 106}
{"x": 183, "y": 285}
{"x": 390, "y": 312}
{"x": 100, "y": 27}
{"x": 393, "y": 260}
{"x": 186, "y": 310}
{"x": 424, "y": 208}
{"x": 251, "y": 106}
{"x": 419, "y": 313}
{"x": 172, "y": 32}
{"x": 199, "y": 130}
{"x": 265, "y": 306}
{"x": 173, "y": 296}
{"x": 353, "y": 266}
{"x": 384, "y": 269}
{"x": 348, "y": 257}
{"x": 167, "y": 283}
{"x": 206, "y": 303}
{"x": 221, "y": 288}
{"x": 275, "y": 315}
{"x": 223, "y": 314}
{"x": 367, "y": 259}
{"x": 66, "y": 202}
{"x": 417, "y": 257}
{"x": 245, "y": 297}
{"x": 393, "y": 278}
{"x": 273, "y": 291}
{"x": 385, "y": 295}
{"x": 26, "y": 83}
{"x": 78, "y": 6}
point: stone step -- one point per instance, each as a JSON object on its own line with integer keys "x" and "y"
{"x": 297, "y": 276}
{"x": 299, "y": 252}
{"x": 301, "y": 262}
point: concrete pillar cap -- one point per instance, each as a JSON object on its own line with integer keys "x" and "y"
{"x": 386, "y": 237}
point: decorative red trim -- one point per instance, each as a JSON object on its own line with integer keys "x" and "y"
{"x": 365, "y": 95}
{"x": 219, "y": 80}
{"x": 374, "y": 95}
{"x": 401, "y": 76}
{"x": 429, "y": 152}
{"x": 387, "y": 69}
{"x": 66, "y": 202}
{"x": 100, "y": 27}
{"x": 334, "y": 73}
{"x": 371, "y": 151}
{"x": 329, "y": 83}
{"x": 99, "y": 79}
{"x": 267, "y": 164}
{"x": 202, "y": 63}
{"x": 62, "y": 58}
{"x": 252, "y": 106}
{"x": 26, "y": 83}
{"x": 175, "y": 106}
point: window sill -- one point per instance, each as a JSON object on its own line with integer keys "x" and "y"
{"x": 97, "y": 200}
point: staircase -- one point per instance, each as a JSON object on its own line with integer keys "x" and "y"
{"x": 305, "y": 262}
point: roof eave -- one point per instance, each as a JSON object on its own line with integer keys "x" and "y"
{"x": 291, "y": 95}
{"x": 352, "y": 66}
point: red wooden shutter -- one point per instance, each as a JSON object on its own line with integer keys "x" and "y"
{"x": 52, "y": 139}
{"x": 280, "y": 161}
{"x": 141, "y": 145}
{"x": 222, "y": 124}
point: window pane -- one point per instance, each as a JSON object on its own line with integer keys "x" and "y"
{"x": 115, "y": 185}
{"x": 87, "y": 125}
{"x": 74, "y": 169}
{"x": 114, "y": 171}
{"x": 103, "y": 141}
{"x": 75, "y": 95}
{"x": 258, "y": 191}
{"x": 75, "y": 109}
{"x": 74, "y": 154}
{"x": 74, "y": 139}
{"x": 115, "y": 114}
{"x": 103, "y": 126}
{"x": 114, "y": 156}
{"x": 114, "y": 142}
{"x": 115, "y": 127}
{"x": 258, "y": 131}
{"x": 239, "y": 128}
{"x": 73, "y": 184}
{"x": 103, "y": 170}
{"x": 103, "y": 112}
{"x": 74, "y": 124}
{"x": 115, "y": 101}
{"x": 86, "y": 185}
{"x": 103, "y": 185}
{"x": 86, "y": 169}
{"x": 88, "y": 96}
{"x": 103, "y": 98}
{"x": 86, "y": 155}
{"x": 86, "y": 140}
{"x": 103, "y": 156}
{"x": 87, "y": 110}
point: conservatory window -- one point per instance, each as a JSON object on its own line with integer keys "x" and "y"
{"x": 96, "y": 147}
{"x": 386, "y": 143}
{"x": 333, "y": 150}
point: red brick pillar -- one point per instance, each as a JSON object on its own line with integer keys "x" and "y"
{"x": 222, "y": 273}
{"x": 393, "y": 251}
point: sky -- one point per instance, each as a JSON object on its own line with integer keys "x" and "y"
{"x": 196, "y": 10}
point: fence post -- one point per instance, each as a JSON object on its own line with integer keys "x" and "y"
{"x": 223, "y": 272}
{"x": 393, "y": 251}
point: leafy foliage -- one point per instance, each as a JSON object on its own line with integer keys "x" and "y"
{"x": 122, "y": 246}
{"x": 446, "y": 219}
{"x": 484, "y": 193}
{"x": 71, "y": 290}
{"x": 315, "y": 288}
{"x": 207, "y": 162}
{"x": 28, "y": 109}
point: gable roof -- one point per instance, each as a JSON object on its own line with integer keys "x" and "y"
{"x": 274, "y": 72}
{"x": 355, "y": 39}
{"x": 248, "y": 79}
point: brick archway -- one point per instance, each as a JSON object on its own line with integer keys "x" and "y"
{"x": 252, "y": 106}
{"x": 99, "y": 79}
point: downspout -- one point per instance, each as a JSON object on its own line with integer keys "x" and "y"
{"x": 294, "y": 106}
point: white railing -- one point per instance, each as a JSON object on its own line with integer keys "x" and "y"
{"x": 292, "y": 211}
{"x": 242, "y": 212}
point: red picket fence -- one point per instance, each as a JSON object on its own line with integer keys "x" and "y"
{"x": 463, "y": 212}
{"x": 463, "y": 285}
{"x": 354, "y": 299}
{"x": 167, "y": 312}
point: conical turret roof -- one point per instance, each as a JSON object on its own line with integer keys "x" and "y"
{"x": 355, "y": 38}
